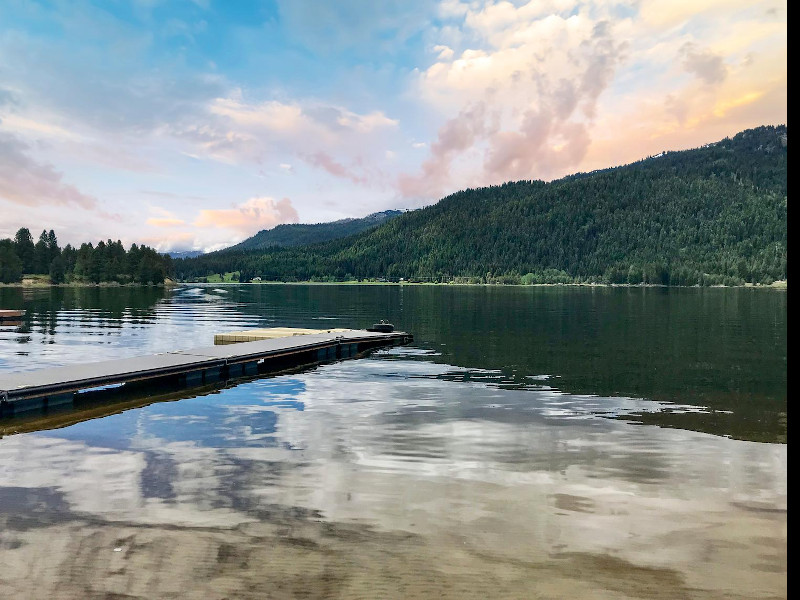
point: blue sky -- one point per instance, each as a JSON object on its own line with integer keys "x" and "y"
{"x": 194, "y": 124}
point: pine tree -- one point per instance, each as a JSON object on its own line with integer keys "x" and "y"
{"x": 41, "y": 255}
{"x": 23, "y": 241}
{"x": 57, "y": 270}
{"x": 52, "y": 245}
{"x": 10, "y": 263}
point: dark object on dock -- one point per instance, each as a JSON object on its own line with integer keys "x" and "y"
{"x": 382, "y": 327}
{"x": 10, "y": 314}
{"x": 35, "y": 390}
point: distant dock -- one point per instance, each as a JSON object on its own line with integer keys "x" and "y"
{"x": 6, "y": 314}
{"x": 229, "y": 358}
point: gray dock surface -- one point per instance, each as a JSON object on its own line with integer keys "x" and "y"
{"x": 37, "y": 389}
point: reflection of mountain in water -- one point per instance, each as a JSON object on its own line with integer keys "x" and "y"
{"x": 723, "y": 349}
{"x": 720, "y": 349}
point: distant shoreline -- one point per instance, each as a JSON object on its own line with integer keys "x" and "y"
{"x": 104, "y": 284}
{"x": 777, "y": 285}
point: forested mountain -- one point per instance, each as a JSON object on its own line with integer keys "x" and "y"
{"x": 711, "y": 215}
{"x": 300, "y": 234}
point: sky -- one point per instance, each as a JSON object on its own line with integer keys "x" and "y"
{"x": 194, "y": 124}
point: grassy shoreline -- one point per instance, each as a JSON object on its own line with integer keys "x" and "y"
{"x": 43, "y": 281}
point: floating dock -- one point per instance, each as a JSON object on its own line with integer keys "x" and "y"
{"x": 269, "y": 333}
{"x": 44, "y": 388}
{"x": 10, "y": 314}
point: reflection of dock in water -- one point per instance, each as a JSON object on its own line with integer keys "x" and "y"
{"x": 98, "y": 403}
{"x": 229, "y": 358}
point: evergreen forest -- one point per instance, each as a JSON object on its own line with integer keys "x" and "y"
{"x": 302, "y": 234}
{"x": 714, "y": 215}
{"x": 106, "y": 262}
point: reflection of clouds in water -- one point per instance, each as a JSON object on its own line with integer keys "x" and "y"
{"x": 420, "y": 424}
{"x": 393, "y": 444}
{"x": 92, "y": 480}
{"x": 118, "y": 485}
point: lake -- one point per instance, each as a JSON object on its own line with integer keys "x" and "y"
{"x": 532, "y": 442}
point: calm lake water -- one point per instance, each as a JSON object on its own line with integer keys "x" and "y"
{"x": 545, "y": 442}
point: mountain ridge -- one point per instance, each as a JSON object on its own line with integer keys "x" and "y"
{"x": 301, "y": 234}
{"x": 704, "y": 216}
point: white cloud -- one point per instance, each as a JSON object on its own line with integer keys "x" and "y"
{"x": 443, "y": 52}
{"x": 293, "y": 119}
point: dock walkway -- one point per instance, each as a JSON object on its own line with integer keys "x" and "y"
{"x": 8, "y": 314}
{"x": 42, "y": 388}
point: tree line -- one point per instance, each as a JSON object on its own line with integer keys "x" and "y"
{"x": 715, "y": 215}
{"x": 105, "y": 262}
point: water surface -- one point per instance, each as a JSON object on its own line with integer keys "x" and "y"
{"x": 531, "y": 442}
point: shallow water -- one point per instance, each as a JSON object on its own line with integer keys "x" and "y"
{"x": 548, "y": 442}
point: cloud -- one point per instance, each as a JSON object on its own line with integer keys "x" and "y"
{"x": 454, "y": 137}
{"x": 601, "y": 57}
{"x": 541, "y": 73}
{"x": 131, "y": 101}
{"x": 555, "y": 76}
{"x": 213, "y": 140}
{"x": 543, "y": 144}
{"x": 666, "y": 15}
{"x": 390, "y": 98}
{"x": 250, "y": 217}
{"x": 724, "y": 106}
{"x": 326, "y": 162}
{"x": 281, "y": 118}
{"x": 443, "y": 52}
{"x": 707, "y": 66}
{"x": 164, "y": 218}
{"x": 311, "y": 131}
{"x": 166, "y": 241}
{"x": 27, "y": 182}
{"x": 156, "y": 222}
{"x": 19, "y": 124}
{"x": 273, "y": 115}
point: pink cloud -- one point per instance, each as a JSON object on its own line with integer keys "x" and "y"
{"x": 542, "y": 144}
{"x": 251, "y": 216}
{"x": 325, "y": 161}
{"x": 543, "y": 91}
{"x": 710, "y": 68}
{"x": 29, "y": 183}
{"x": 455, "y": 136}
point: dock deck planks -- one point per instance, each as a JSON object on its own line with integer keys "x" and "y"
{"x": 6, "y": 313}
{"x": 253, "y": 335}
{"x": 35, "y": 389}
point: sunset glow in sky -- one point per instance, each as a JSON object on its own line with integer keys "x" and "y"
{"x": 195, "y": 124}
